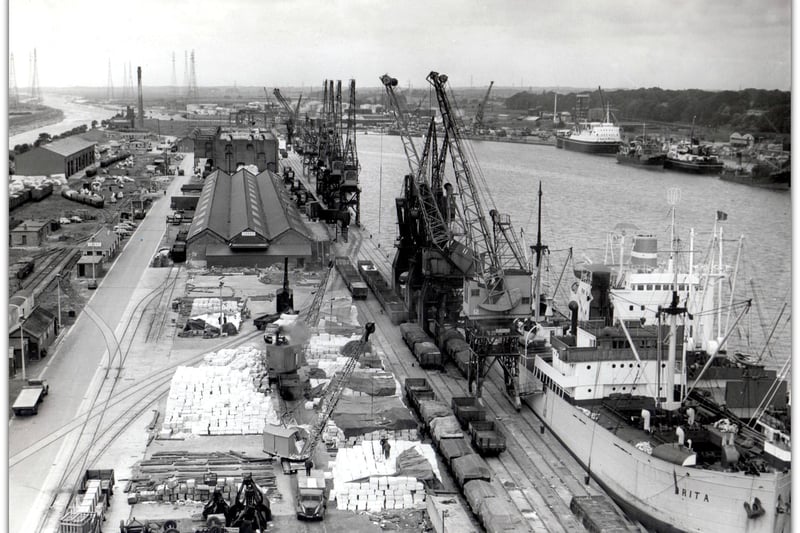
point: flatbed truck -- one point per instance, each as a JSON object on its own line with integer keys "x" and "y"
{"x": 28, "y": 400}
{"x": 310, "y": 495}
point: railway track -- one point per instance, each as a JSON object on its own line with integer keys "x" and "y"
{"x": 538, "y": 474}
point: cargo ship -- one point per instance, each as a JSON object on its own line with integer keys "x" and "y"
{"x": 704, "y": 447}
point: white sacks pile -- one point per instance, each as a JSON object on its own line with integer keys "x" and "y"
{"x": 385, "y": 490}
{"x": 219, "y": 399}
{"x": 323, "y": 351}
{"x": 208, "y": 309}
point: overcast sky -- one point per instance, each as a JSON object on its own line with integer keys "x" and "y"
{"x": 673, "y": 44}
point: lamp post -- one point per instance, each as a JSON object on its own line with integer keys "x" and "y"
{"x": 221, "y": 283}
{"x": 58, "y": 297}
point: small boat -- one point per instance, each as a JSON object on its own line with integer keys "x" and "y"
{"x": 694, "y": 158}
{"x": 765, "y": 173}
{"x": 640, "y": 152}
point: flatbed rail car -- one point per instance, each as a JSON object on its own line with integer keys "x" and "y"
{"x": 392, "y": 305}
{"x": 355, "y": 283}
{"x": 28, "y": 400}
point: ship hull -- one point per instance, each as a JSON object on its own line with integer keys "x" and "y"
{"x": 664, "y": 497}
{"x": 588, "y": 147}
{"x": 780, "y": 181}
{"x": 693, "y": 167}
{"x": 652, "y": 162}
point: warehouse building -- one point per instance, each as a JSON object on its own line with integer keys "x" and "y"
{"x": 30, "y": 233}
{"x": 248, "y": 220}
{"x": 65, "y": 156}
{"x": 230, "y": 149}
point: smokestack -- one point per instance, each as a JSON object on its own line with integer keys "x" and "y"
{"x": 141, "y": 101}
{"x": 573, "y": 306}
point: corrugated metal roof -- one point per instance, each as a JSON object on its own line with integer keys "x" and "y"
{"x": 38, "y": 322}
{"x": 280, "y": 212}
{"x": 68, "y": 146}
{"x": 245, "y": 209}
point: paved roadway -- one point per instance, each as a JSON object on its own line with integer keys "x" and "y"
{"x": 77, "y": 369}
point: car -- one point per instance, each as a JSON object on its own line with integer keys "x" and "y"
{"x": 64, "y": 220}
{"x": 92, "y": 284}
{"x": 76, "y": 219}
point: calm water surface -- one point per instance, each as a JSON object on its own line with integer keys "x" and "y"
{"x": 586, "y": 196}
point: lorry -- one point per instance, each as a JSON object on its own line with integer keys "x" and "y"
{"x": 28, "y": 400}
{"x": 310, "y": 495}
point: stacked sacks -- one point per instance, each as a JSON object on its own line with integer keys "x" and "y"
{"x": 388, "y": 487}
{"x": 219, "y": 399}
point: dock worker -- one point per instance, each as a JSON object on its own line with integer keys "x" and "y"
{"x": 309, "y": 466}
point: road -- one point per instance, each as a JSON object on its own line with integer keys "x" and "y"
{"x": 77, "y": 369}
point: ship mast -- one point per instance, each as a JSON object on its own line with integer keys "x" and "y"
{"x": 539, "y": 249}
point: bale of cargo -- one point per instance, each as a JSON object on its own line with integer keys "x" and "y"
{"x": 461, "y": 359}
{"x": 412, "y": 463}
{"x": 430, "y": 409}
{"x": 453, "y": 346}
{"x": 428, "y": 355}
{"x": 453, "y": 448}
{"x": 476, "y": 492}
{"x": 469, "y": 467}
{"x": 467, "y": 409}
{"x": 409, "y": 327}
{"x": 448, "y": 334}
{"x": 445, "y": 427}
{"x": 499, "y": 515}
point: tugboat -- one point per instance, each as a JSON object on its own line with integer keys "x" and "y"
{"x": 642, "y": 152}
{"x": 694, "y": 158}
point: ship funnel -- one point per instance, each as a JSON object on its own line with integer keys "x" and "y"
{"x": 573, "y": 307}
{"x": 645, "y": 252}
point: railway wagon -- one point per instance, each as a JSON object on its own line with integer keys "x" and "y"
{"x": 358, "y": 289}
{"x": 467, "y": 409}
{"x": 487, "y": 437}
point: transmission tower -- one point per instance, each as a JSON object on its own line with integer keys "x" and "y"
{"x": 36, "y": 92}
{"x": 174, "y": 81}
{"x": 13, "y": 91}
{"x": 191, "y": 93}
{"x": 131, "y": 91}
{"x": 124, "y": 82}
{"x": 186, "y": 70}
{"x": 110, "y": 91}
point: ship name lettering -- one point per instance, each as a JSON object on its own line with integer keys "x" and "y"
{"x": 691, "y": 494}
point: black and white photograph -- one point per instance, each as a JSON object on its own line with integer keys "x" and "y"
{"x": 358, "y": 266}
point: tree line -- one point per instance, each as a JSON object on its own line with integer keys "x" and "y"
{"x": 745, "y": 111}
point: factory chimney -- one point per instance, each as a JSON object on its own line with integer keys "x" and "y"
{"x": 141, "y": 101}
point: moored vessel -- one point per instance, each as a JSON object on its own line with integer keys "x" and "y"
{"x": 643, "y": 153}
{"x": 682, "y": 434}
{"x": 693, "y": 158}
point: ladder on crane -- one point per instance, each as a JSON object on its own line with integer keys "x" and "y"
{"x": 333, "y": 393}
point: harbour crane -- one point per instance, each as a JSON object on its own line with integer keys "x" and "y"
{"x": 331, "y": 396}
{"x": 498, "y": 292}
{"x": 478, "y": 123}
{"x": 428, "y": 263}
{"x": 291, "y": 120}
